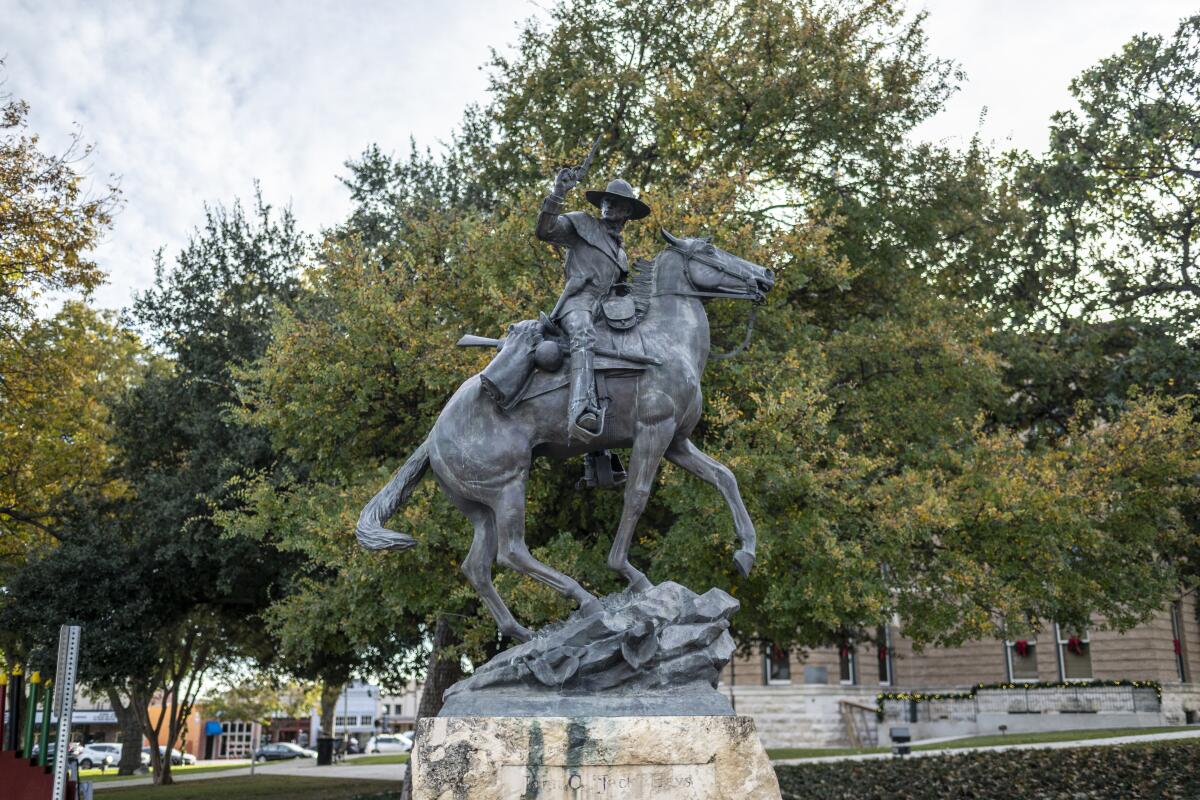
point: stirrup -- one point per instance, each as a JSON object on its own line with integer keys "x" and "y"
{"x": 574, "y": 431}
{"x": 602, "y": 469}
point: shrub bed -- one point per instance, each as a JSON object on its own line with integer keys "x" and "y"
{"x": 1164, "y": 771}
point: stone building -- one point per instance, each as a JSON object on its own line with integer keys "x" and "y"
{"x": 829, "y": 696}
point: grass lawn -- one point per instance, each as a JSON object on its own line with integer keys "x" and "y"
{"x": 259, "y": 787}
{"x": 389, "y": 758}
{"x": 977, "y": 741}
{"x": 96, "y": 776}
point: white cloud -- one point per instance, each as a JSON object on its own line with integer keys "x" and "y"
{"x": 1021, "y": 55}
{"x": 189, "y": 102}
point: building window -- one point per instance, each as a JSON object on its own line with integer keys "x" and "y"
{"x": 1022, "y": 660}
{"x": 365, "y": 719}
{"x": 1177, "y": 641}
{"x": 883, "y": 639}
{"x": 236, "y": 739}
{"x": 339, "y": 722}
{"x": 1074, "y": 655}
{"x": 847, "y": 668}
{"x": 777, "y": 666}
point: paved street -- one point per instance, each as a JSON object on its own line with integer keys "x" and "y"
{"x": 306, "y": 767}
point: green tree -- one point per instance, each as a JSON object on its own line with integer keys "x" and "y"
{"x": 181, "y": 450}
{"x": 57, "y": 429}
{"x": 871, "y": 423}
{"x": 48, "y": 223}
{"x": 54, "y": 373}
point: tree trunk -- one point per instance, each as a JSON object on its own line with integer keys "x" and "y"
{"x": 140, "y": 701}
{"x": 130, "y": 725}
{"x": 330, "y": 692}
{"x": 440, "y": 675}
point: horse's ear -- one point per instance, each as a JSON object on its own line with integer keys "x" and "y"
{"x": 668, "y": 237}
{"x": 707, "y": 239}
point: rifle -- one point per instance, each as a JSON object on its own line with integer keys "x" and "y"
{"x": 471, "y": 340}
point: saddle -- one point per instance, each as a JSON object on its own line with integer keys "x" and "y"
{"x": 531, "y": 358}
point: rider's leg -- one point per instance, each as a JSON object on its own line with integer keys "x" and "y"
{"x": 583, "y": 410}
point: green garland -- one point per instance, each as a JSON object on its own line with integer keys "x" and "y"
{"x": 922, "y": 697}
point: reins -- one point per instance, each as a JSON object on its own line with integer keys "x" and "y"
{"x": 745, "y": 341}
{"x": 748, "y": 295}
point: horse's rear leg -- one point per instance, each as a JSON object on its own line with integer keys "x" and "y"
{"x": 477, "y": 566}
{"x": 682, "y": 453}
{"x": 650, "y": 440}
{"x": 509, "y": 514}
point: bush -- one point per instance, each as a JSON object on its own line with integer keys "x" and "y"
{"x": 1164, "y": 771}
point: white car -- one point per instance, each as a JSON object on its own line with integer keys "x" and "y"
{"x": 303, "y": 752}
{"x": 101, "y": 754}
{"x": 390, "y": 743}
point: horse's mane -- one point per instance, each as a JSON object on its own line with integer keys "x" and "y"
{"x": 641, "y": 281}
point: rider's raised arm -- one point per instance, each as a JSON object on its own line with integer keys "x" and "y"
{"x": 551, "y": 226}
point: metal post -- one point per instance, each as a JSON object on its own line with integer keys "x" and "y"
{"x": 64, "y": 702}
{"x": 16, "y": 693}
{"x": 35, "y": 693}
{"x": 44, "y": 744}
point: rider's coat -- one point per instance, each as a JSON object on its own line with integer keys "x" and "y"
{"x": 595, "y": 258}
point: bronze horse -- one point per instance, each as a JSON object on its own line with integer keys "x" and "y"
{"x": 481, "y": 455}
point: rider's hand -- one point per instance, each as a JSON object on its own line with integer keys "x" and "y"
{"x": 566, "y": 180}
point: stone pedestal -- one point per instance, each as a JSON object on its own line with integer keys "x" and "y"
{"x": 577, "y": 758}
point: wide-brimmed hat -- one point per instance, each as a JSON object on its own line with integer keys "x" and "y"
{"x": 619, "y": 189}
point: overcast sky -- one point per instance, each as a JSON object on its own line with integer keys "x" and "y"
{"x": 189, "y": 102}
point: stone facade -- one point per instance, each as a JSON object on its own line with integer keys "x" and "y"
{"x": 606, "y": 758}
{"x": 816, "y": 698}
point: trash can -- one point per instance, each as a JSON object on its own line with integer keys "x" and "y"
{"x": 325, "y": 750}
{"x": 901, "y": 739}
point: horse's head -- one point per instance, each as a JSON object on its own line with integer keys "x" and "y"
{"x": 713, "y": 272}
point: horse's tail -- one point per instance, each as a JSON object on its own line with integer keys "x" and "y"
{"x": 370, "y": 531}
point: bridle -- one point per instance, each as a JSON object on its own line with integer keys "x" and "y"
{"x": 751, "y": 293}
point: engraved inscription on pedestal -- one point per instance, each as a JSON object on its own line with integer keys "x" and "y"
{"x": 614, "y": 782}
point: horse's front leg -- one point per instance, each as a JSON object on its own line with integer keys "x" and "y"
{"x": 682, "y": 453}
{"x": 651, "y": 438}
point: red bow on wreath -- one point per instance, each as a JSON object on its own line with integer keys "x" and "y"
{"x": 1075, "y": 645}
{"x": 1022, "y": 648}
{"x": 844, "y": 650}
{"x": 883, "y": 651}
{"x": 1178, "y": 647}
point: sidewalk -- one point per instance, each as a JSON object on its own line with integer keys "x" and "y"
{"x": 1115, "y": 740}
{"x": 300, "y": 766}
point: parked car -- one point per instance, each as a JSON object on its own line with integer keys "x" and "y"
{"x": 390, "y": 743}
{"x": 177, "y": 758}
{"x": 281, "y": 751}
{"x": 72, "y": 750}
{"x": 101, "y": 754}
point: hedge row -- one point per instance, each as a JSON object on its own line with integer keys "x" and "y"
{"x": 1163, "y": 771}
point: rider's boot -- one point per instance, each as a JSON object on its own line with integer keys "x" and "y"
{"x": 584, "y": 416}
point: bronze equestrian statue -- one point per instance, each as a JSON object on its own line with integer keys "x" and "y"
{"x": 653, "y": 345}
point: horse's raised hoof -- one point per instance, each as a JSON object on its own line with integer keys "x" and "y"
{"x": 744, "y": 561}
{"x": 591, "y": 607}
